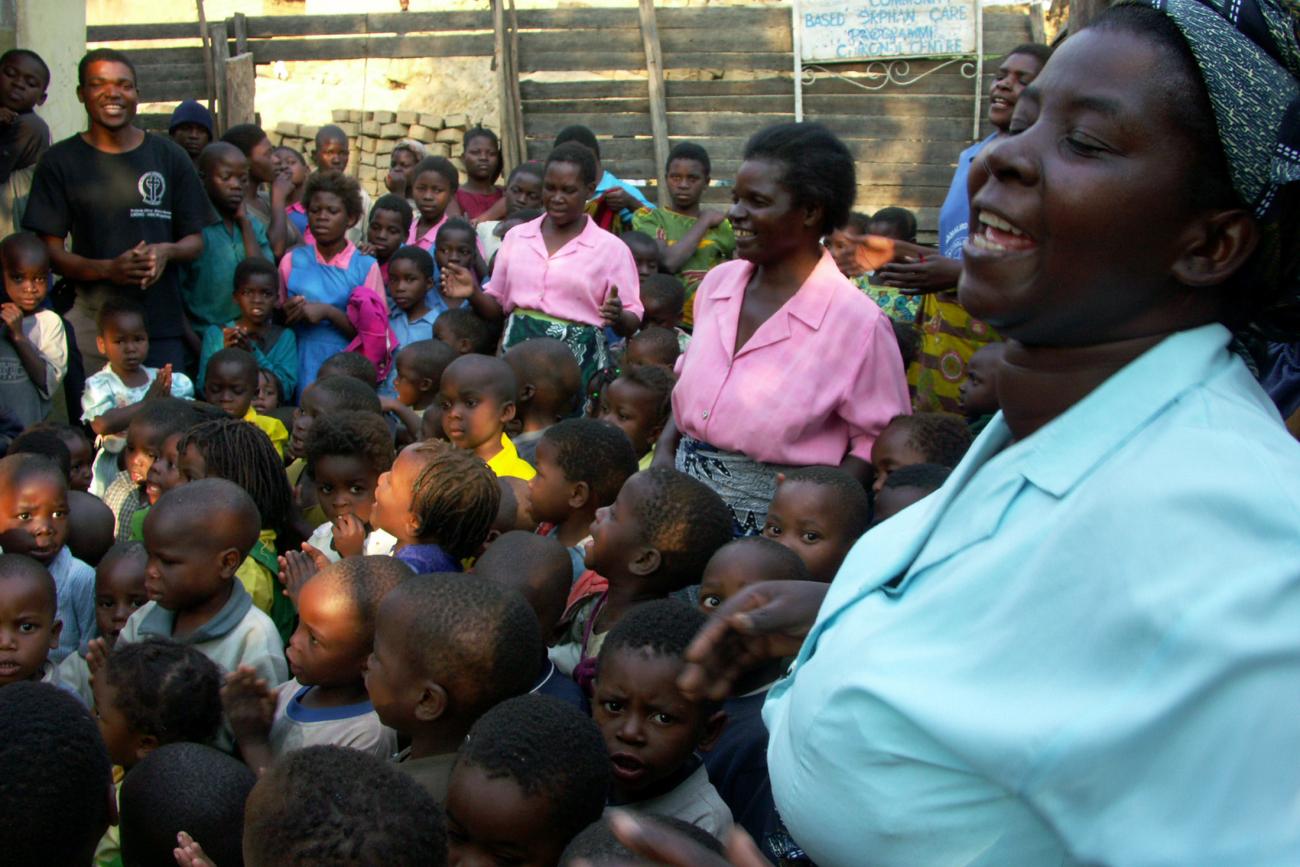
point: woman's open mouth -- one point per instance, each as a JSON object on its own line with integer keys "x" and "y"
{"x": 995, "y": 234}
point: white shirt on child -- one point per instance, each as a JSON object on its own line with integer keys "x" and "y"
{"x": 694, "y": 801}
{"x": 355, "y": 726}
{"x": 105, "y": 390}
{"x": 74, "y": 583}
{"x": 322, "y": 539}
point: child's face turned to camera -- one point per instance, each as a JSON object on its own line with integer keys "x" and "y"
{"x": 119, "y": 591}
{"x": 255, "y": 297}
{"x": 27, "y": 279}
{"x": 345, "y": 485}
{"x": 29, "y": 628}
{"x": 34, "y": 516}
{"x": 124, "y": 342}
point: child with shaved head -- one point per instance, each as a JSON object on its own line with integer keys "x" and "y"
{"x": 29, "y": 616}
{"x": 550, "y": 385}
{"x": 197, "y": 535}
{"x": 477, "y": 397}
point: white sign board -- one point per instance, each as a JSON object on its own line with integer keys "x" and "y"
{"x": 849, "y": 30}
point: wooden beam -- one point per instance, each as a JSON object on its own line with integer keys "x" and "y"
{"x": 654, "y": 67}
{"x": 240, "y": 89}
{"x": 209, "y": 70}
{"x": 510, "y": 153}
{"x": 219, "y": 50}
{"x": 239, "y": 23}
{"x": 516, "y": 101}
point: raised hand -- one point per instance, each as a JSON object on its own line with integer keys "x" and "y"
{"x": 162, "y": 383}
{"x": 349, "y": 536}
{"x": 612, "y": 309}
{"x": 249, "y": 704}
{"x": 458, "y": 282}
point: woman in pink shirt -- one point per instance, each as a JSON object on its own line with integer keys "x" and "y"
{"x": 560, "y": 275}
{"x": 790, "y": 365}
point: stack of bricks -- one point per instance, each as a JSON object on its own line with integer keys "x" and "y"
{"x": 372, "y": 135}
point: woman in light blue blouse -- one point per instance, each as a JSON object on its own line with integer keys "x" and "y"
{"x": 1085, "y": 648}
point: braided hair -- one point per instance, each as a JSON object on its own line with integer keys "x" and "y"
{"x": 168, "y": 690}
{"x": 242, "y": 453}
{"x": 455, "y": 496}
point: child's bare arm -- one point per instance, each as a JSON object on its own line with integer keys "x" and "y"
{"x": 117, "y": 419}
{"x": 250, "y": 707}
{"x": 674, "y": 256}
{"x": 297, "y": 567}
{"x": 252, "y": 249}
{"x": 28, "y": 355}
{"x": 496, "y": 212}
{"x": 459, "y": 284}
{"x": 409, "y": 419}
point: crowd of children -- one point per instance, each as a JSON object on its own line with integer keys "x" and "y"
{"x": 389, "y": 572}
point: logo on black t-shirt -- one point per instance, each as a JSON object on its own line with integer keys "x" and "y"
{"x": 152, "y": 187}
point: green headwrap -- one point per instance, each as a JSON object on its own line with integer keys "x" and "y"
{"x": 1249, "y": 56}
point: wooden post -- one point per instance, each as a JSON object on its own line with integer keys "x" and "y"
{"x": 654, "y": 68}
{"x": 509, "y": 153}
{"x": 241, "y": 85}
{"x": 239, "y": 24}
{"x": 512, "y": 80}
{"x": 209, "y": 73}
{"x": 220, "y": 53}
{"x": 1037, "y": 25}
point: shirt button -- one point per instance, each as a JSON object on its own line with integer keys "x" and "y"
{"x": 706, "y": 413}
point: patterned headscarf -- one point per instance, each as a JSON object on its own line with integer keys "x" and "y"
{"x": 1249, "y": 56}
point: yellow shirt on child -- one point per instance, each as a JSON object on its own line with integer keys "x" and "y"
{"x": 508, "y": 463}
{"x": 272, "y": 427}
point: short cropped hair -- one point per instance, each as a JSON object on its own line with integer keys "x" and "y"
{"x": 256, "y": 266}
{"x": 665, "y": 627}
{"x": 536, "y": 168}
{"x": 341, "y": 185}
{"x": 417, "y": 256}
{"x": 578, "y": 134}
{"x": 548, "y": 748}
{"x": 455, "y": 497}
{"x": 42, "y": 441}
{"x": 56, "y": 776}
{"x": 336, "y": 807}
{"x": 171, "y": 415}
{"x": 24, "y": 568}
{"x": 635, "y": 239}
{"x": 594, "y": 452}
{"x": 233, "y": 355}
{"x": 786, "y": 564}
{"x": 903, "y": 221}
{"x": 597, "y": 844}
{"x": 353, "y": 365}
{"x": 429, "y": 358}
{"x": 851, "y": 500}
{"x": 466, "y": 324}
{"x": 348, "y": 392}
{"x": 941, "y": 437}
{"x": 483, "y": 132}
{"x": 481, "y": 638}
{"x": 30, "y": 55}
{"x": 575, "y": 154}
{"x": 659, "y": 342}
{"x": 168, "y": 690}
{"x": 17, "y": 468}
{"x": 818, "y": 168}
{"x": 685, "y": 521}
{"x": 22, "y": 242}
{"x": 398, "y": 205}
{"x": 658, "y": 382}
{"x": 363, "y": 434}
{"x": 538, "y": 566}
{"x": 927, "y": 477}
{"x": 665, "y": 287}
{"x": 100, "y": 55}
{"x": 244, "y": 136}
{"x": 689, "y": 150}
{"x": 1033, "y": 49}
{"x": 117, "y": 305}
{"x": 455, "y": 224}
{"x": 440, "y": 166}
{"x": 367, "y": 579}
{"x": 184, "y": 787}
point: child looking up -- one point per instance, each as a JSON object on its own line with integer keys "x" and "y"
{"x": 33, "y": 342}
{"x": 152, "y": 435}
{"x": 582, "y": 464}
{"x": 433, "y": 186}
{"x": 651, "y": 730}
{"x": 34, "y": 522}
{"x": 639, "y": 403}
{"x": 333, "y": 806}
{"x": 531, "y": 774}
{"x": 737, "y": 761}
{"x": 550, "y": 384}
{"x": 115, "y": 394}
{"x": 645, "y": 252}
{"x": 237, "y": 235}
{"x": 331, "y": 155}
{"x": 654, "y": 540}
{"x": 448, "y": 648}
{"x": 438, "y": 503}
{"x": 257, "y": 288}
{"x": 523, "y": 193}
{"x": 419, "y": 366}
{"x": 197, "y": 536}
{"x": 477, "y": 398}
{"x": 386, "y": 231}
{"x": 318, "y": 280}
{"x": 481, "y": 154}
{"x": 347, "y": 452}
{"x": 464, "y": 331}
{"x": 692, "y": 240}
{"x": 238, "y": 452}
{"x": 819, "y": 513}
{"x": 29, "y": 619}
{"x": 922, "y": 438}
{"x": 652, "y": 346}
{"x": 325, "y": 702}
{"x": 230, "y": 382}
{"x": 905, "y": 486}
{"x": 560, "y": 275}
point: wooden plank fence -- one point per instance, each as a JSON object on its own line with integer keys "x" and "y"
{"x": 727, "y": 69}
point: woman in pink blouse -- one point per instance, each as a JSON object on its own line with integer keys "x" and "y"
{"x": 561, "y": 275}
{"x": 790, "y": 365}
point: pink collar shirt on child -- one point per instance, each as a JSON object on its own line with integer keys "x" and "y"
{"x": 818, "y": 380}
{"x": 570, "y": 285}
{"x": 425, "y": 241}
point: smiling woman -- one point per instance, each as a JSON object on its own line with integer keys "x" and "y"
{"x": 979, "y": 685}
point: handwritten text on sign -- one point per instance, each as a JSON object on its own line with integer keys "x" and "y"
{"x": 867, "y": 29}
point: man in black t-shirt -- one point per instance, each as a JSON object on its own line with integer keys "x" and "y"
{"x": 133, "y": 205}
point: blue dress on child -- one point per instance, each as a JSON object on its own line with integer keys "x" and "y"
{"x": 327, "y": 284}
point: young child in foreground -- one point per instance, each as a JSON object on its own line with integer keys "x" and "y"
{"x": 581, "y": 466}
{"x": 477, "y": 397}
{"x": 334, "y": 806}
{"x": 922, "y": 438}
{"x": 33, "y": 342}
{"x": 347, "y": 452}
{"x": 230, "y": 382}
{"x": 639, "y": 403}
{"x": 437, "y": 504}
{"x": 651, "y": 730}
{"x": 329, "y": 394}
{"x": 274, "y": 347}
{"x": 531, "y": 774}
{"x": 653, "y": 541}
{"x": 197, "y": 535}
{"x": 819, "y": 513}
{"x": 447, "y": 649}
{"x": 34, "y": 522}
{"x": 550, "y": 384}
{"x": 152, "y": 437}
{"x": 115, "y": 394}
{"x": 325, "y": 702}
{"x": 29, "y": 618}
